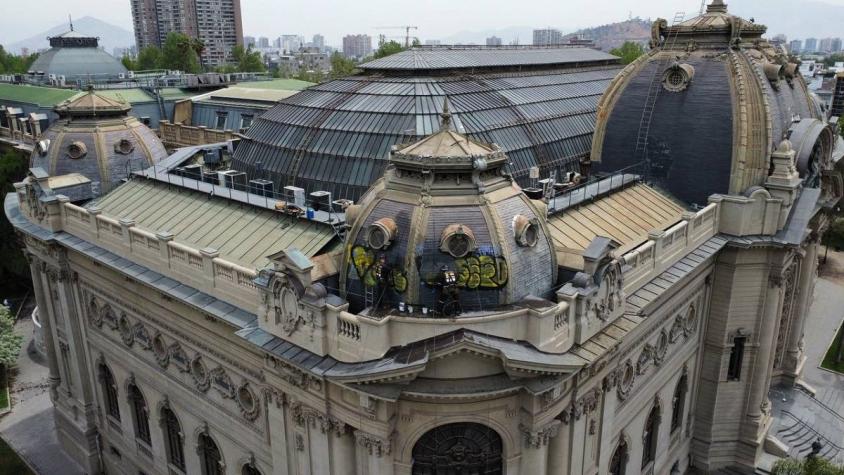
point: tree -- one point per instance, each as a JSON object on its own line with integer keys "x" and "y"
{"x": 833, "y": 58}
{"x": 628, "y": 52}
{"x": 10, "y": 343}
{"x": 14, "y": 64}
{"x": 841, "y": 125}
{"x": 178, "y": 53}
{"x": 387, "y": 48}
{"x": 248, "y": 61}
{"x": 129, "y": 63}
{"x": 341, "y": 66}
{"x": 14, "y": 271}
{"x": 149, "y": 58}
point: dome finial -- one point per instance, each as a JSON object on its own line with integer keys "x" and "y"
{"x": 717, "y": 6}
{"x": 446, "y": 116}
{"x": 70, "y": 20}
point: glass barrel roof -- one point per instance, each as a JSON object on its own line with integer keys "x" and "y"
{"x": 337, "y": 136}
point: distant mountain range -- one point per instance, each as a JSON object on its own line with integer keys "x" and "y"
{"x": 614, "y": 35}
{"x": 110, "y": 36}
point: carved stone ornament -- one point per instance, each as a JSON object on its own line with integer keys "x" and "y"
{"x": 160, "y": 350}
{"x": 645, "y": 359}
{"x": 661, "y": 348}
{"x": 201, "y": 378}
{"x": 95, "y": 314}
{"x": 127, "y": 333}
{"x": 247, "y": 401}
{"x": 627, "y": 374}
{"x": 221, "y": 381}
{"x": 305, "y": 416}
{"x": 179, "y": 357}
{"x": 142, "y": 336}
{"x": 286, "y": 307}
{"x": 538, "y": 438}
{"x": 374, "y": 445}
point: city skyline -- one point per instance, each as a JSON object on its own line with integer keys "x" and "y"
{"x": 263, "y": 18}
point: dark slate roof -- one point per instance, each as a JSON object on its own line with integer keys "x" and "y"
{"x": 471, "y": 57}
{"x": 337, "y": 136}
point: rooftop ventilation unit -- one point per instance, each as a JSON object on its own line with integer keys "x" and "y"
{"x": 193, "y": 171}
{"x": 321, "y": 200}
{"x": 295, "y": 195}
{"x": 211, "y": 177}
{"x": 233, "y": 179}
{"x": 261, "y": 188}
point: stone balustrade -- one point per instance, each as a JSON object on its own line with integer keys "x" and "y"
{"x": 664, "y": 248}
{"x": 202, "y": 269}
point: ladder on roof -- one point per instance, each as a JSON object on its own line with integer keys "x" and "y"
{"x": 654, "y": 88}
{"x": 368, "y": 296}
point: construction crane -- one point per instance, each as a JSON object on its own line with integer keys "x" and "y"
{"x": 406, "y": 29}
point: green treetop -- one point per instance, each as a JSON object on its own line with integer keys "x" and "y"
{"x": 628, "y": 52}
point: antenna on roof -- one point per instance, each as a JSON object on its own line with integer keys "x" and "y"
{"x": 70, "y": 20}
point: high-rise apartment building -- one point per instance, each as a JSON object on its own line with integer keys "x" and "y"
{"x": 811, "y": 45}
{"x": 493, "y": 41}
{"x": 318, "y": 41}
{"x": 263, "y": 42}
{"x": 795, "y": 47}
{"x": 547, "y": 36}
{"x": 217, "y": 23}
{"x": 825, "y": 45}
{"x": 290, "y": 43}
{"x": 249, "y": 41}
{"x": 357, "y": 46}
{"x": 836, "y": 45}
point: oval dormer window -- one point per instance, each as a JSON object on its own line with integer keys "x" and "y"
{"x": 678, "y": 77}
{"x": 124, "y": 147}
{"x": 381, "y": 233}
{"x": 77, "y": 150}
{"x": 457, "y": 240}
{"x": 526, "y": 231}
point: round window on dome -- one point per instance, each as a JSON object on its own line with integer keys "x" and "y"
{"x": 124, "y": 146}
{"x": 77, "y": 150}
{"x": 678, "y": 77}
{"x": 526, "y": 231}
{"x": 457, "y": 240}
{"x": 381, "y": 233}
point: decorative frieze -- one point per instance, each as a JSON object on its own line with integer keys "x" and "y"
{"x": 305, "y": 416}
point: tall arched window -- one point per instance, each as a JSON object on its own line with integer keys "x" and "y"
{"x": 109, "y": 391}
{"x": 174, "y": 439}
{"x": 650, "y": 437}
{"x": 212, "y": 459}
{"x": 618, "y": 462}
{"x": 140, "y": 413}
{"x": 678, "y": 403}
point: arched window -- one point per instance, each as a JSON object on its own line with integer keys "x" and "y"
{"x": 140, "y": 413}
{"x": 212, "y": 459}
{"x": 618, "y": 462}
{"x": 174, "y": 439}
{"x": 249, "y": 469}
{"x": 459, "y": 448}
{"x": 109, "y": 391}
{"x": 650, "y": 437}
{"x": 678, "y": 403}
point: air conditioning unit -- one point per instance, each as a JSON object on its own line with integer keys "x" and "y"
{"x": 130, "y": 75}
{"x": 261, "y": 188}
{"x": 295, "y": 195}
{"x": 121, "y": 76}
{"x": 321, "y": 200}
{"x": 233, "y": 179}
{"x": 214, "y": 156}
{"x": 211, "y": 177}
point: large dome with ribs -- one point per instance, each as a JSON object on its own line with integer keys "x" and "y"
{"x": 704, "y": 110}
{"x": 537, "y": 104}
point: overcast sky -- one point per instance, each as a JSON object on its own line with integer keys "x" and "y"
{"x": 334, "y": 18}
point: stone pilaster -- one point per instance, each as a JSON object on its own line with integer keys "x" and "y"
{"x": 374, "y": 454}
{"x": 535, "y": 449}
{"x": 794, "y": 357}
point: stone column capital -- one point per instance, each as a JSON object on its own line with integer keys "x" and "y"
{"x": 373, "y": 444}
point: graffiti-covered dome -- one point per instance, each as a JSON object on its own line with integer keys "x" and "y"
{"x": 446, "y": 230}
{"x": 706, "y": 107}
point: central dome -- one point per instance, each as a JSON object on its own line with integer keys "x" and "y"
{"x": 448, "y": 231}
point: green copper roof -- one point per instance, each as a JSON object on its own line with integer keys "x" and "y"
{"x": 41, "y": 96}
{"x": 285, "y": 84}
